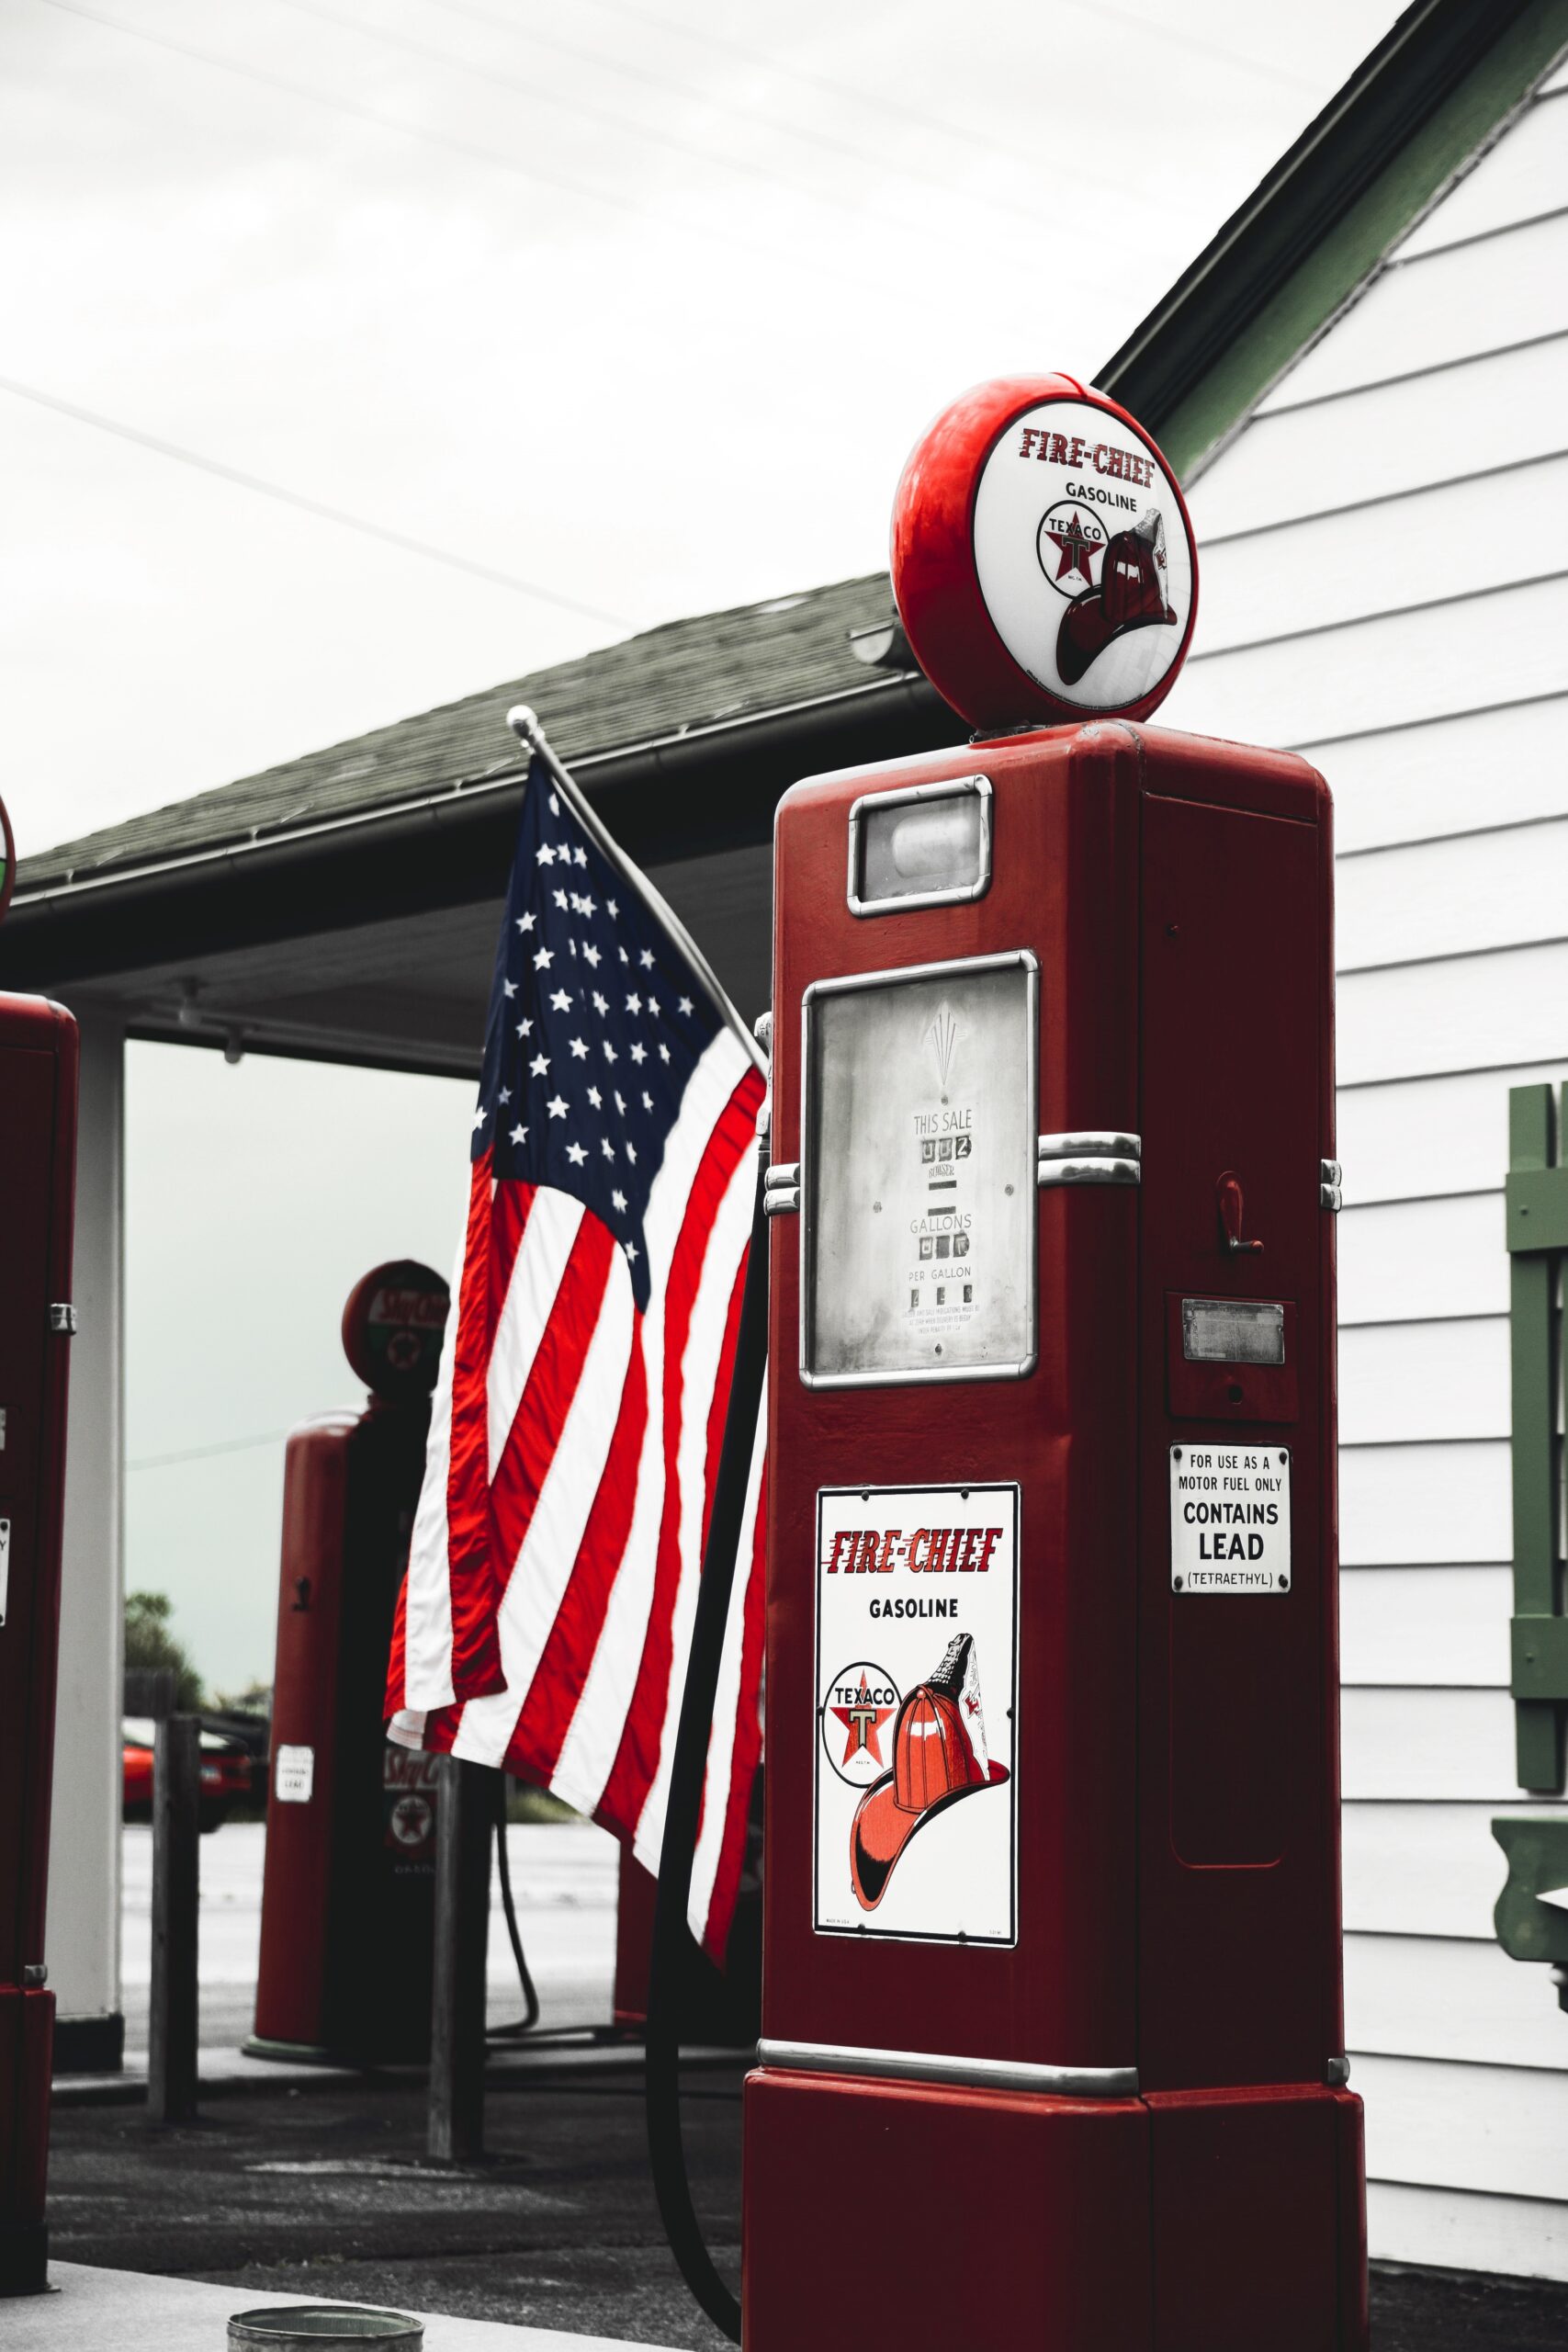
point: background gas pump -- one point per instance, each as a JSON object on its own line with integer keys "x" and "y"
{"x": 37, "y": 1172}
{"x": 348, "y": 1893}
{"x": 1053, "y": 2045}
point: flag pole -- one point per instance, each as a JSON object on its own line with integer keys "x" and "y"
{"x": 671, "y": 1932}
{"x": 526, "y": 725}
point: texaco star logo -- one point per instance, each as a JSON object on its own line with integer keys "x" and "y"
{"x": 858, "y": 1705}
{"x": 1071, "y": 543}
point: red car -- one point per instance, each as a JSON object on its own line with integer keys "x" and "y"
{"x": 225, "y": 1772}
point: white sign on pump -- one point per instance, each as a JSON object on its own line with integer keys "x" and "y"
{"x": 1230, "y": 1519}
{"x": 916, "y": 1798}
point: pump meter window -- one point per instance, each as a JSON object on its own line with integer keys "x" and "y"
{"x": 917, "y": 1170}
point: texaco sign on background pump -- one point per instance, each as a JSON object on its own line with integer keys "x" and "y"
{"x": 1053, "y": 2048}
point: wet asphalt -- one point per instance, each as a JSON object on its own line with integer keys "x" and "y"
{"x": 327, "y": 2190}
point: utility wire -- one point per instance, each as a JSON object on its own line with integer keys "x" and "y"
{"x": 711, "y": 39}
{"x": 494, "y": 157}
{"x": 812, "y": 137}
{"x": 241, "y": 481}
{"x": 491, "y": 77}
{"x": 205, "y": 1452}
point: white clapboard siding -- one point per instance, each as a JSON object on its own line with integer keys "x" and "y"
{"x": 1418, "y": 1996}
{"x": 1450, "y": 776}
{"x": 1510, "y": 646}
{"x": 1453, "y": 539}
{"x": 1491, "y": 411}
{"x": 1429, "y": 1745}
{"x": 1508, "y": 288}
{"x": 1401, "y": 1383}
{"x": 1423, "y": 1259}
{"x": 1423, "y": 1505}
{"x": 1452, "y": 2229}
{"x": 1385, "y": 588}
{"x": 1425, "y": 1627}
{"x": 1473, "y": 1012}
{"x": 1409, "y": 1138}
{"x": 1525, "y": 175}
{"x": 1451, "y": 898}
{"x": 1423, "y": 1869}
{"x": 1500, "y": 2128}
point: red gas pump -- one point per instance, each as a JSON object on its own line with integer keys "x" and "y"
{"x": 38, "y": 1176}
{"x": 348, "y": 1891}
{"x": 1053, "y": 2046}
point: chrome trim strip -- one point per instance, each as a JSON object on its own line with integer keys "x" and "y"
{"x": 1112, "y": 1143}
{"x": 1328, "y": 1197}
{"x": 782, "y": 1202}
{"x": 781, "y": 1175}
{"x": 1087, "y": 1171}
{"x": 947, "y": 788}
{"x": 974, "y": 2073}
{"x": 1330, "y": 1173}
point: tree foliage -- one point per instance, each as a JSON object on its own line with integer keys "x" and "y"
{"x": 148, "y": 1642}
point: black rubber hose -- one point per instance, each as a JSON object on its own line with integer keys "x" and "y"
{"x": 530, "y": 2018}
{"x": 671, "y": 1935}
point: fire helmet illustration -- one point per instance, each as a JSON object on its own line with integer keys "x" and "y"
{"x": 939, "y": 1756}
{"x": 1131, "y": 594}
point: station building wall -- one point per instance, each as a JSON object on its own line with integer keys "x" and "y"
{"x": 1384, "y": 587}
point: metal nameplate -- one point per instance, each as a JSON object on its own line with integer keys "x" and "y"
{"x": 1232, "y": 1330}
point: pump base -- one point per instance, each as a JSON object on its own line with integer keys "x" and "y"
{"x": 1208, "y": 2221}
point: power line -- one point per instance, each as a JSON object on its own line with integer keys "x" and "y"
{"x": 490, "y": 155}
{"x": 206, "y": 1453}
{"x": 711, "y": 39}
{"x": 826, "y": 140}
{"x": 492, "y": 77}
{"x": 857, "y": 95}
{"x": 185, "y": 457}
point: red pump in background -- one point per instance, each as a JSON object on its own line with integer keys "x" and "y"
{"x": 38, "y": 1178}
{"x": 1053, "y": 2045}
{"x": 349, "y": 1886}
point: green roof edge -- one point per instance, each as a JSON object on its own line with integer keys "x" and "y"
{"x": 1296, "y": 252}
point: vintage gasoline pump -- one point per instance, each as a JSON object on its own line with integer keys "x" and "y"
{"x": 348, "y": 1891}
{"x": 37, "y": 1182}
{"x": 1052, "y": 2049}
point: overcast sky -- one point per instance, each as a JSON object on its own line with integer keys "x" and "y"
{"x": 628, "y": 310}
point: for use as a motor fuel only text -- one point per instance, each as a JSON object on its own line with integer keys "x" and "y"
{"x": 1230, "y": 1519}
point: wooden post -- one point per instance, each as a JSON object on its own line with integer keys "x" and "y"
{"x": 465, "y": 1812}
{"x": 176, "y": 1874}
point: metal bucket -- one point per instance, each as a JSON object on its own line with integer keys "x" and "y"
{"x": 312, "y": 2328}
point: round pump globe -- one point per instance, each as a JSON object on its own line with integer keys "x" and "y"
{"x": 1042, "y": 559}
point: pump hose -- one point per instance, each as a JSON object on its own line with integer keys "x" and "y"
{"x": 530, "y": 2018}
{"x": 671, "y": 1935}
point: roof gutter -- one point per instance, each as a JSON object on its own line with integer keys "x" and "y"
{"x": 370, "y": 863}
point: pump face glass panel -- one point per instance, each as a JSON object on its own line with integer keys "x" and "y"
{"x": 917, "y": 1174}
{"x": 927, "y": 846}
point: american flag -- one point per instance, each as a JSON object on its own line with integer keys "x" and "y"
{"x": 576, "y": 1427}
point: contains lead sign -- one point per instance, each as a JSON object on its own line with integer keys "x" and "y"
{"x": 1230, "y": 1519}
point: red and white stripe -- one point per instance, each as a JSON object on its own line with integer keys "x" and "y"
{"x": 573, "y": 1448}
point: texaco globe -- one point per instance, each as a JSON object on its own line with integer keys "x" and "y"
{"x": 1042, "y": 559}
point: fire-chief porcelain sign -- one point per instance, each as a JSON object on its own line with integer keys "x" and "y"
{"x": 917, "y": 1703}
{"x": 1042, "y": 559}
